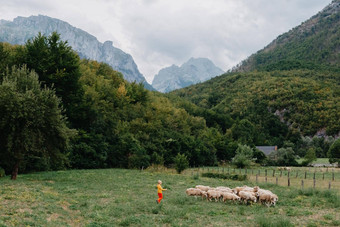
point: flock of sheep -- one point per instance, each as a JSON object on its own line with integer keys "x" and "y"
{"x": 245, "y": 194}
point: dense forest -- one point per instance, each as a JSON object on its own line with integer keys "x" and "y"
{"x": 59, "y": 111}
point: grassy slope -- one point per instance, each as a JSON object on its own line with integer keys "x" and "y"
{"x": 127, "y": 197}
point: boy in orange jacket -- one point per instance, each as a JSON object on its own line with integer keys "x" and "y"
{"x": 160, "y": 191}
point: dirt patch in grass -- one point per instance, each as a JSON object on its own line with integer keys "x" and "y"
{"x": 53, "y": 217}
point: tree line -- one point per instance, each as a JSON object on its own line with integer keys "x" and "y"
{"x": 58, "y": 111}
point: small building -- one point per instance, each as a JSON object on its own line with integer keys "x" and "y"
{"x": 267, "y": 150}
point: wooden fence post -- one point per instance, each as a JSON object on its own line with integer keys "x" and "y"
{"x": 265, "y": 172}
{"x": 302, "y": 184}
{"x": 288, "y": 181}
{"x": 266, "y": 179}
{"x": 329, "y": 185}
{"x": 273, "y": 172}
{"x": 280, "y": 173}
{"x": 314, "y": 181}
{"x": 277, "y": 180}
{"x": 297, "y": 173}
{"x": 333, "y": 178}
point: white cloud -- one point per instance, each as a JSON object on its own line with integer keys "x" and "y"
{"x": 159, "y": 33}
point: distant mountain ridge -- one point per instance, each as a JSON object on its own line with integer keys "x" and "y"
{"x": 87, "y": 46}
{"x": 292, "y": 85}
{"x": 194, "y": 71}
{"x": 312, "y": 45}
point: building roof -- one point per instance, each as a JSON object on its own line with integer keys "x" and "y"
{"x": 267, "y": 149}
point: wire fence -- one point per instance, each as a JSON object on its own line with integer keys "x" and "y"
{"x": 302, "y": 177}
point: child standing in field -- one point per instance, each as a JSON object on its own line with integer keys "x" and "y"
{"x": 160, "y": 191}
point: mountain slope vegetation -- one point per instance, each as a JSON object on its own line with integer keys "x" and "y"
{"x": 313, "y": 45}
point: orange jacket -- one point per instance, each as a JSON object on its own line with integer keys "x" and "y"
{"x": 159, "y": 188}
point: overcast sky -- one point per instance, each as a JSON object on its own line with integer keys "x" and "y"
{"x": 159, "y": 33}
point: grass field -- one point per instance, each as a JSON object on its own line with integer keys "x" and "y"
{"x": 117, "y": 197}
{"x": 317, "y": 161}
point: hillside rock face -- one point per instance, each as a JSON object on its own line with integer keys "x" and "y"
{"x": 87, "y": 46}
{"x": 194, "y": 71}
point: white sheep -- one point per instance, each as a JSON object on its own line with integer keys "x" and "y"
{"x": 230, "y": 196}
{"x": 213, "y": 194}
{"x": 247, "y": 196}
{"x": 203, "y": 188}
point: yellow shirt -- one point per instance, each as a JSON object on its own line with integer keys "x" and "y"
{"x": 159, "y": 188}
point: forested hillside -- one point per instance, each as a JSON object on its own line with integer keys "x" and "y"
{"x": 57, "y": 111}
{"x": 287, "y": 92}
{"x": 312, "y": 45}
{"x": 117, "y": 123}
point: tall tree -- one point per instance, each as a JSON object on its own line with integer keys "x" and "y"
{"x": 31, "y": 121}
{"x": 57, "y": 65}
{"x": 334, "y": 152}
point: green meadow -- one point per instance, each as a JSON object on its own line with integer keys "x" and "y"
{"x": 119, "y": 197}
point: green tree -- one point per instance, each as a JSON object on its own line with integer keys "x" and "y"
{"x": 285, "y": 157}
{"x": 57, "y": 65}
{"x": 243, "y": 131}
{"x": 181, "y": 162}
{"x": 334, "y": 152}
{"x": 243, "y": 157}
{"x": 31, "y": 122}
{"x": 309, "y": 157}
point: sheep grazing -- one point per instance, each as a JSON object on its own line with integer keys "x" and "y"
{"x": 283, "y": 168}
{"x": 203, "y": 188}
{"x": 224, "y": 189}
{"x": 230, "y": 196}
{"x": 213, "y": 194}
{"x": 196, "y": 192}
{"x": 244, "y": 193}
{"x": 193, "y": 192}
{"x": 247, "y": 196}
{"x": 237, "y": 190}
{"x": 267, "y": 197}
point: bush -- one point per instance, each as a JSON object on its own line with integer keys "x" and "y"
{"x": 334, "y": 152}
{"x": 181, "y": 162}
{"x": 243, "y": 156}
{"x": 2, "y": 172}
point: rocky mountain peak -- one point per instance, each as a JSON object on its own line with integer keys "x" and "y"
{"x": 87, "y": 46}
{"x": 195, "y": 70}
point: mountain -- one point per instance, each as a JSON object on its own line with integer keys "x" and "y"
{"x": 194, "y": 71}
{"x": 312, "y": 45}
{"x": 288, "y": 89}
{"x": 21, "y": 29}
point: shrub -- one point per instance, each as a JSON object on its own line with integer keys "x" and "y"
{"x": 334, "y": 152}
{"x": 2, "y": 172}
{"x": 181, "y": 162}
{"x": 243, "y": 156}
